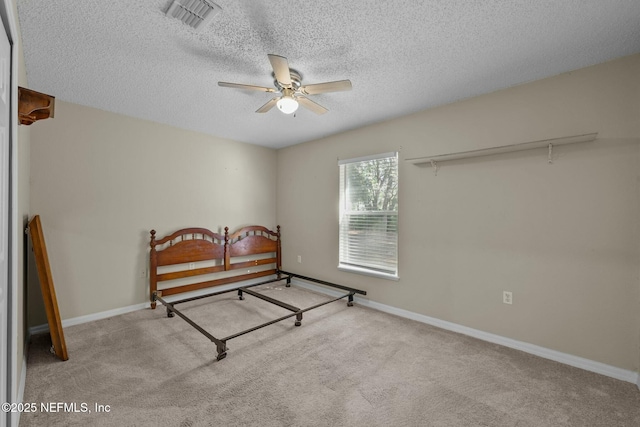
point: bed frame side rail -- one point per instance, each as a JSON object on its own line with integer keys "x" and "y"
{"x": 352, "y": 291}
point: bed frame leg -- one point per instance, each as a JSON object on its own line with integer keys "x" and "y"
{"x": 298, "y": 319}
{"x": 350, "y": 302}
{"x": 222, "y": 351}
{"x": 154, "y": 296}
{"x": 170, "y": 313}
{"x": 288, "y": 285}
{"x": 240, "y": 296}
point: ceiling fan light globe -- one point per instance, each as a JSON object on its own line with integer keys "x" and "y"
{"x": 287, "y": 105}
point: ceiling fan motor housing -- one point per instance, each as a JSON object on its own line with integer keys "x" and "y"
{"x": 296, "y": 79}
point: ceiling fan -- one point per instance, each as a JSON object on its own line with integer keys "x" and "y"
{"x": 288, "y": 83}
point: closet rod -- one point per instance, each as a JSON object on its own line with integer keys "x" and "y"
{"x": 429, "y": 161}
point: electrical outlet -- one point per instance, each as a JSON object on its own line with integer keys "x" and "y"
{"x": 300, "y": 259}
{"x": 507, "y": 297}
{"x": 192, "y": 266}
{"x": 143, "y": 273}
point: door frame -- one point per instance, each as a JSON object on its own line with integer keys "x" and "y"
{"x": 9, "y": 19}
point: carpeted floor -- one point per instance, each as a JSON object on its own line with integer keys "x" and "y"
{"x": 345, "y": 366}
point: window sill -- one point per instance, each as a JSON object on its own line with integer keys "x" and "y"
{"x": 366, "y": 272}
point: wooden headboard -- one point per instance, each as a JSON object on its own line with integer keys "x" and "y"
{"x": 192, "y": 252}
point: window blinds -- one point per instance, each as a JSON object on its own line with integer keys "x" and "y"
{"x": 369, "y": 213}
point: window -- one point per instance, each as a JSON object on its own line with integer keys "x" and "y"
{"x": 369, "y": 215}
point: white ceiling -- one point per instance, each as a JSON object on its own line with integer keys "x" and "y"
{"x": 401, "y": 56}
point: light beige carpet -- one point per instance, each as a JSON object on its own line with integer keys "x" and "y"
{"x": 345, "y": 366}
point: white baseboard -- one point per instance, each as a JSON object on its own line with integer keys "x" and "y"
{"x": 39, "y": 329}
{"x": 34, "y": 330}
{"x": 567, "y": 359}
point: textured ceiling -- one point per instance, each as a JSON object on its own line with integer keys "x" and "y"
{"x": 401, "y": 56}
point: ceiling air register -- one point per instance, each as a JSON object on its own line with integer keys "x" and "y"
{"x": 194, "y": 13}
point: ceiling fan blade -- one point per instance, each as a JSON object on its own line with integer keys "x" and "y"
{"x": 281, "y": 70}
{"x": 337, "y": 86}
{"x": 310, "y": 105}
{"x": 268, "y": 106}
{"x": 249, "y": 87}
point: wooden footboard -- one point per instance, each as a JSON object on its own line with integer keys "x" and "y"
{"x": 204, "y": 259}
{"x": 181, "y": 260}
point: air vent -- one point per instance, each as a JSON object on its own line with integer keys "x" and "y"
{"x": 195, "y": 13}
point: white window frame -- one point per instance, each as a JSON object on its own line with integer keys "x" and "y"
{"x": 352, "y": 267}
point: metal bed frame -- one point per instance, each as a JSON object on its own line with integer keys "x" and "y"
{"x": 221, "y": 343}
{"x": 192, "y": 250}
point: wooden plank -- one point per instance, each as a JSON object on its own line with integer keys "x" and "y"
{"x": 217, "y": 282}
{"x": 252, "y": 245}
{"x": 189, "y": 273}
{"x": 249, "y": 264}
{"x": 190, "y": 251}
{"x": 48, "y": 291}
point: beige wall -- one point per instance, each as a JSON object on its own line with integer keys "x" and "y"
{"x": 101, "y": 181}
{"x": 564, "y": 238}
